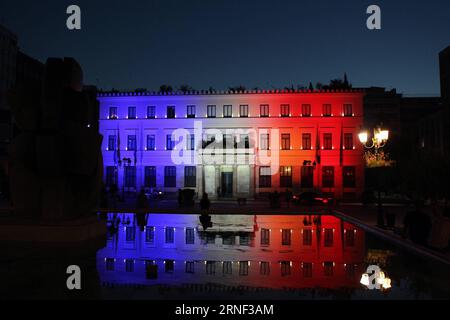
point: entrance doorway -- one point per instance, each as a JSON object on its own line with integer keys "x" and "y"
{"x": 227, "y": 184}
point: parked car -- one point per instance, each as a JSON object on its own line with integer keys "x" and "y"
{"x": 154, "y": 195}
{"x": 312, "y": 198}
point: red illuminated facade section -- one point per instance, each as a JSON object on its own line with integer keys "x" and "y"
{"x": 310, "y": 135}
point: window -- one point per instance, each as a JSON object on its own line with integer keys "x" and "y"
{"x": 170, "y": 235}
{"x": 227, "y": 267}
{"x": 244, "y": 239}
{"x": 307, "y": 177}
{"x": 112, "y": 113}
{"x": 151, "y": 112}
{"x": 210, "y": 267}
{"x": 265, "y": 177}
{"x": 264, "y": 268}
{"x": 285, "y": 268}
{"x": 211, "y": 111}
{"x": 264, "y": 142}
{"x": 307, "y": 269}
{"x": 170, "y": 112}
{"x": 170, "y": 177}
{"x": 112, "y": 143}
{"x": 130, "y": 234}
{"x": 243, "y": 111}
{"x": 169, "y": 266}
{"x": 170, "y": 143}
{"x": 244, "y": 141}
{"x": 150, "y": 177}
{"x": 190, "y": 112}
{"x": 151, "y": 144}
{"x": 350, "y": 238}
{"x": 349, "y": 180}
{"x": 150, "y": 235}
{"x": 285, "y": 141}
{"x": 348, "y": 110}
{"x": 307, "y": 237}
{"x": 190, "y": 177}
{"x": 286, "y": 237}
{"x": 286, "y": 177}
{"x": 190, "y": 236}
{"x": 131, "y": 144}
{"x": 111, "y": 176}
{"x": 210, "y": 139}
{"x": 227, "y": 111}
{"x": 285, "y": 110}
{"x": 243, "y": 268}
{"x": 227, "y": 141}
{"x": 228, "y": 240}
{"x": 327, "y": 141}
{"x": 129, "y": 265}
{"x": 264, "y": 110}
{"x": 130, "y": 177}
{"x": 190, "y": 267}
{"x": 110, "y": 264}
{"x": 265, "y": 237}
{"x": 328, "y": 268}
{"x": 306, "y": 110}
{"x": 328, "y": 177}
{"x": 328, "y": 237}
{"x": 326, "y": 112}
{"x": 190, "y": 142}
{"x": 306, "y": 141}
{"x": 131, "y": 112}
{"x": 348, "y": 141}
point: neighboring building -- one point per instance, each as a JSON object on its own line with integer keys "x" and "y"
{"x": 277, "y": 140}
{"x": 8, "y": 57}
{"x": 444, "y": 67}
{"x": 277, "y": 252}
{"x": 29, "y": 71}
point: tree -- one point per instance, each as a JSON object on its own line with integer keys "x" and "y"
{"x": 165, "y": 88}
{"x": 237, "y": 88}
{"x": 186, "y": 88}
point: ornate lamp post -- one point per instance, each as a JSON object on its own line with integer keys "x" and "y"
{"x": 378, "y": 141}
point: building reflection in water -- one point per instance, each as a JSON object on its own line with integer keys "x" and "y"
{"x": 263, "y": 251}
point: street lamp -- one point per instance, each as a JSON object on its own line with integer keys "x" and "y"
{"x": 378, "y": 141}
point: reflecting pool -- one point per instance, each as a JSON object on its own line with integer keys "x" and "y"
{"x": 181, "y": 256}
{"x": 176, "y": 256}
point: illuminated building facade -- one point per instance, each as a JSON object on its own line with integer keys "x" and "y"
{"x": 266, "y": 141}
{"x": 302, "y": 251}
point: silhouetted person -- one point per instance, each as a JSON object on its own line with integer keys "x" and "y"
{"x": 288, "y": 198}
{"x": 205, "y": 203}
{"x": 113, "y": 193}
{"x": 417, "y": 226}
{"x": 141, "y": 201}
{"x": 276, "y": 199}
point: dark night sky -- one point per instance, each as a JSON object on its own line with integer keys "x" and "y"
{"x": 220, "y": 43}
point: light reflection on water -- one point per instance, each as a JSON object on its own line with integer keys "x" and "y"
{"x": 256, "y": 256}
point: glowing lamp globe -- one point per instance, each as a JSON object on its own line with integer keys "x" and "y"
{"x": 365, "y": 279}
{"x": 363, "y": 137}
